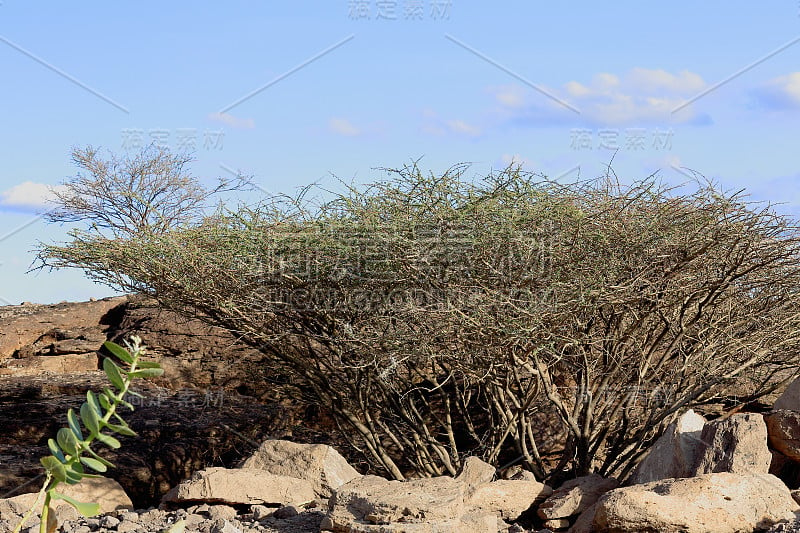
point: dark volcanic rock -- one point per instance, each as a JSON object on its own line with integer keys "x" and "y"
{"x": 178, "y": 432}
{"x": 217, "y": 401}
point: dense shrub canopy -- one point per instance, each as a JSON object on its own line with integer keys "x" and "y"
{"x": 513, "y": 317}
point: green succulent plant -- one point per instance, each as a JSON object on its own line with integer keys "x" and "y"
{"x": 72, "y": 457}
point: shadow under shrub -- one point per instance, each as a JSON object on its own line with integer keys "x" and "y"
{"x": 438, "y": 318}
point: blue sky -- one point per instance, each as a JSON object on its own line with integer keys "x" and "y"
{"x": 299, "y": 92}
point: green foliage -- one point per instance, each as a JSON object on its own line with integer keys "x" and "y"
{"x": 72, "y": 456}
{"x": 563, "y": 325}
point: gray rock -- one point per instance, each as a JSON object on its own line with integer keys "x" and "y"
{"x": 320, "y": 465}
{"x": 675, "y": 453}
{"x": 475, "y": 472}
{"x": 790, "y": 399}
{"x": 737, "y": 445}
{"x": 260, "y": 511}
{"x": 109, "y": 521}
{"x": 287, "y": 511}
{"x": 241, "y": 486}
{"x": 507, "y": 498}
{"x": 225, "y": 512}
{"x": 575, "y": 496}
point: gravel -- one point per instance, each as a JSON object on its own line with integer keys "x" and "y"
{"x": 200, "y": 519}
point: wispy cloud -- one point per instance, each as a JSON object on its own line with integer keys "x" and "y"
{"x": 781, "y": 93}
{"x": 638, "y": 96}
{"x": 342, "y": 126}
{"x": 463, "y": 127}
{"x": 232, "y": 121}
{"x": 27, "y": 196}
{"x": 434, "y": 124}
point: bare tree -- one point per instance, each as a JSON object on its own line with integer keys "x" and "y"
{"x": 151, "y": 191}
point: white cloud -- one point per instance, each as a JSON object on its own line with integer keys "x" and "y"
{"x": 780, "y": 93}
{"x": 574, "y": 88}
{"x": 342, "y": 126}
{"x": 462, "y": 127}
{"x": 510, "y": 95}
{"x": 233, "y": 122}
{"x": 638, "y": 96}
{"x": 647, "y": 80}
{"x": 27, "y": 195}
{"x": 438, "y": 126}
{"x": 605, "y": 81}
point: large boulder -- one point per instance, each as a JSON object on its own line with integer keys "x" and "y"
{"x": 508, "y": 498}
{"x": 709, "y": 503}
{"x": 790, "y": 399}
{"x": 241, "y": 486}
{"x": 675, "y": 453}
{"x": 783, "y": 430}
{"x": 374, "y": 501}
{"x": 575, "y": 496}
{"x": 319, "y": 464}
{"x": 737, "y": 444}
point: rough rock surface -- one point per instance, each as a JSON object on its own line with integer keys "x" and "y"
{"x": 675, "y": 453}
{"x": 710, "y": 503}
{"x": 475, "y": 473}
{"x": 585, "y": 521}
{"x": 320, "y": 465}
{"x": 790, "y": 399}
{"x": 575, "y": 496}
{"x": 783, "y": 429}
{"x": 241, "y": 486}
{"x": 508, "y": 498}
{"x": 372, "y": 500}
{"x": 217, "y": 402}
{"x": 737, "y": 444}
{"x": 31, "y": 330}
{"x": 179, "y": 432}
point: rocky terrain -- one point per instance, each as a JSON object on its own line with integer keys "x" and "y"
{"x": 223, "y": 448}
{"x": 201, "y": 413}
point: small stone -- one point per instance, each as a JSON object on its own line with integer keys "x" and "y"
{"x": 516, "y": 528}
{"x": 557, "y": 523}
{"x": 326, "y": 524}
{"x": 129, "y": 516}
{"x": 128, "y": 527}
{"x": 82, "y": 529}
{"x": 226, "y": 512}
{"x": 224, "y": 527}
{"x": 109, "y": 521}
{"x": 287, "y": 511}
{"x": 204, "y": 508}
{"x": 523, "y": 475}
{"x": 260, "y": 512}
{"x": 193, "y": 521}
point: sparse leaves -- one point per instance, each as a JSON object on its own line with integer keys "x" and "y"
{"x": 70, "y": 448}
